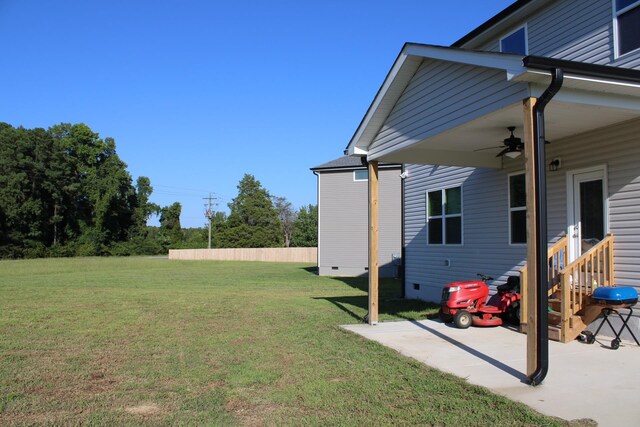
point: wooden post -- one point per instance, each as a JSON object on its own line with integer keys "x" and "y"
{"x": 531, "y": 291}
{"x": 373, "y": 243}
{"x": 523, "y": 298}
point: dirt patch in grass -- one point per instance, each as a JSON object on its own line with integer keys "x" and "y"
{"x": 249, "y": 414}
{"x": 144, "y": 409}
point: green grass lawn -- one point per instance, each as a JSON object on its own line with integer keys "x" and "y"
{"x": 130, "y": 341}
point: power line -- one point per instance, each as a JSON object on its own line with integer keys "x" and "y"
{"x": 199, "y": 190}
{"x": 208, "y": 212}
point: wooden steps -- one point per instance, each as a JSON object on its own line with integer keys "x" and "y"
{"x": 571, "y": 285}
{"x": 576, "y": 324}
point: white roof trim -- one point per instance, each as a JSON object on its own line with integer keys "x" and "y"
{"x": 510, "y": 62}
{"x": 593, "y": 84}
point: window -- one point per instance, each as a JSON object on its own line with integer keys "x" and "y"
{"x": 360, "y": 175}
{"x": 627, "y": 25}
{"x": 517, "y": 209}
{"x": 444, "y": 216}
{"x": 515, "y": 42}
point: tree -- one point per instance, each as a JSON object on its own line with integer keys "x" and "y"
{"x": 286, "y": 216}
{"x": 305, "y": 229}
{"x": 170, "y": 228}
{"x": 253, "y": 221}
{"x": 218, "y": 229}
{"x": 99, "y": 191}
{"x": 143, "y": 207}
{"x": 65, "y": 191}
{"x": 25, "y": 196}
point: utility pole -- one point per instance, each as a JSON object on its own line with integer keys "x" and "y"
{"x": 208, "y": 212}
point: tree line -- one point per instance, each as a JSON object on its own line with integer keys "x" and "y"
{"x": 64, "y": 191}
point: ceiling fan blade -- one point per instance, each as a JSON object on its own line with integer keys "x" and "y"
{"x": 489, "y": 148}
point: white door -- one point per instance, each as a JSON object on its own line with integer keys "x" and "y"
{"x": 587, "y": 209}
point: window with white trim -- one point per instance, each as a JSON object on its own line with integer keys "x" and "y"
{"x": 360, "y": 175}
{"x": 444, "y": 216}
{"x": 517, "y": 209}
{"x": 516, "y": 42}
{"x": 627, "y": 16}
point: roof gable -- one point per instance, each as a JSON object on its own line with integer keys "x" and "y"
{"x": 403, "y": 70}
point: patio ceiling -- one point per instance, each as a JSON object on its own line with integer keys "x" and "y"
{"x": 477, "y": 142}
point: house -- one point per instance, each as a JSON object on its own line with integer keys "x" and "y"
{"x": 476, "y": 200}
{"x": 342, "y": 203}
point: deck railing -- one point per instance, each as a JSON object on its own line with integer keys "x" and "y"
{"x": 558, "y": 255}
{"x": 573, "y": 282}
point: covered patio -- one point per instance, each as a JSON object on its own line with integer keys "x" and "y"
{"x": 449, "y": 106}
{"x": 607, "y": 380}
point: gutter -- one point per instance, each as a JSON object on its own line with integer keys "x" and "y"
{"x": 542, "y": 268}
{"x": 403, "y": 261}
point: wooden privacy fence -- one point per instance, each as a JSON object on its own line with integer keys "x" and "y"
{"x": 306, "y": 255}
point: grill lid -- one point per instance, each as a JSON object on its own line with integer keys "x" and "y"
{"x": 618, "y": 295}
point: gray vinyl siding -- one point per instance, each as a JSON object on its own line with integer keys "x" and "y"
{"x": 575, "y": 30}
{"x": 566, "y": 29}
{"x": 621, "y": 143}
{"x": 442, "y": 95}
{"x": 343, "y": 222}
{"x": 486, "y": 247}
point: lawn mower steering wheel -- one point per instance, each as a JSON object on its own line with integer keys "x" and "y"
{"x": 484, "y": 277}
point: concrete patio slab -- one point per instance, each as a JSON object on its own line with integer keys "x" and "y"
{"x": 584, "y": 381}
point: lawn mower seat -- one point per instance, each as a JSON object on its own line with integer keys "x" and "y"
{"x": 512, "y": 285}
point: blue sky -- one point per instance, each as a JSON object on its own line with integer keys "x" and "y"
{"x": 197, "y": 93}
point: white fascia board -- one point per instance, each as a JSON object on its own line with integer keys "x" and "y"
{"x": 354, "y": 147}
{"x": 580, "y": 82}
{"x": 596, "y": 99}
{"x": 354, "y": 150}
{"x": 509, "y": 62}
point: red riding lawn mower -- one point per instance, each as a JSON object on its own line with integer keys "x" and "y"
{"x": 468, "y": 303}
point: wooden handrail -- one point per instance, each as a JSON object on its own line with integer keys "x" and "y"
{"x": 558, "y": 259}
{"x": 592, "y": 269}
{"x": 558, "y": 255}
{"x": 575, "y": 282}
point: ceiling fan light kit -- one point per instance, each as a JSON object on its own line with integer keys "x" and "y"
{"x": 513, "y": 145}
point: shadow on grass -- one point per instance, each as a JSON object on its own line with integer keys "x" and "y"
{"x": 395, "y": 307}
{"x": 390, "y": 301}
{"x": 312, "y": 270}
{"x": 387, "y": 287}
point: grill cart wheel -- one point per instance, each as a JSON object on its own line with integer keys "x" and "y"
{"x": 462, "y": 319}
{"x": 591, "y": 339}
{"x": 615, "y": 344}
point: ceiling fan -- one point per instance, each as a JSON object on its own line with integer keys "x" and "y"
{"x": 513, "y": 145}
